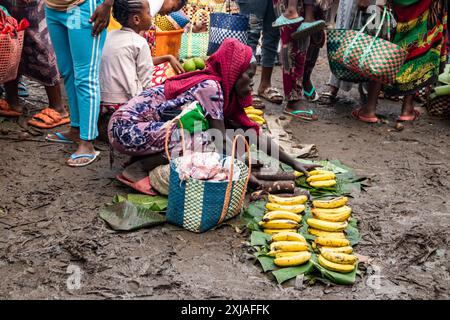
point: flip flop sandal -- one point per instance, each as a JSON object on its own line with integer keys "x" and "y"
{"x": 271, "y": 94}
{"x": 356, "y": 115}
{"x": 22, "y": 90}
{"x": 59, "y": 138}
{"x": 91, "y": 157}
{"x": 142, "y": 186}
{"x": 48, "y": 119}
{"x": 6, "y": 111}
{"x": 416, "y": 115}
{"x": 257, "y": 102}
{"x": 327, "y": 98}
{"x": 311, "y": 96}
{"x": 308, "y": 28}
{"x": 307, "y": 115}
{"x": 282, "y": 21}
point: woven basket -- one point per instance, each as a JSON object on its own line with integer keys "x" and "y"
{"x": 198, "y": 205}
{"x": 439, "y": 107}
{"x": 10, "y": 53}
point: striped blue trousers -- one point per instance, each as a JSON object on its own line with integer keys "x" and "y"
{"x": 78, "y": 54}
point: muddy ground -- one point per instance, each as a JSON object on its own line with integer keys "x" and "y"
{"x": 49, "y": 219}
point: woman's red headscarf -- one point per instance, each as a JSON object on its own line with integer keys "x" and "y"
{"x": 225, "y": 66}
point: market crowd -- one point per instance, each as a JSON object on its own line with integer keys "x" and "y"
{"x": 111, "y": 75}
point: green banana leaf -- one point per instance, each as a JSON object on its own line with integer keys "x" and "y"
{"x": 253, "y": 214}
{"x": 258, "y": 238}
{"x": 154, "y": 203}
{"x": 127, "y": 216}
{"x": 333, "y": 276}
{"x": 284, "y": 274}
{"x": 267, "y": 263}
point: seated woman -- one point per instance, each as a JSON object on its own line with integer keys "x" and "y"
{"x": 222, "y": 89}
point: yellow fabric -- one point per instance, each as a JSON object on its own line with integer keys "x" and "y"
{"x": 113, "y": 24}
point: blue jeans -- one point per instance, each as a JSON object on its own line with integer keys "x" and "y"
{"x": 78, "y": 54}
{"x": 262, "y": 16}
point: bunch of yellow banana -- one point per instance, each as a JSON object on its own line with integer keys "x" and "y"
{"x": 330, "y": 218}
{"x": 335, "y": 254}
{"x": 283, "y": 214}
{"x": 289, "y": 249}
{"x": 337, "y": 261}
{"x": 256, "y": 115}
{"x": 321, "y": 179}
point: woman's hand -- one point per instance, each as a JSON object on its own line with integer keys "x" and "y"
{"x": 100, "y": 18}
{"x": 176, "y": 65}
{"x": 304, "y": 168}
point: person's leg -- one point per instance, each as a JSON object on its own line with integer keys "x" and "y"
{"x": 317, "y": 41}
{"x": 367, "y": 113}
{"x": 86, "y": 52}
{"x": 291, "y": 9}
{"x": 270, "y": 40}
{"x": 12, "y": 94}
{"x": 408, "y": 111}
{"x": 60, "y": 39}
{"x": 55, "y": 101}
{"x": 253, "y": 9}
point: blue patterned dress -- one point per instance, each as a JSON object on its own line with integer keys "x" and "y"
{"x": 136, "y": 128}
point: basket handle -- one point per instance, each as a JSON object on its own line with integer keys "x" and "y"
{"x": 230, "y": 179}
{"x": 195, "y": 17}
{"x": 169, "y": 132}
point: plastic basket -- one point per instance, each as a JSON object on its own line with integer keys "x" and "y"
{"x": 10, "y": 53}
{"x": 167, "y": 42}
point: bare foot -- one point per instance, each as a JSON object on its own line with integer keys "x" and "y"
{"x": 291, "y": 14}
{"x": 61, "y": 110}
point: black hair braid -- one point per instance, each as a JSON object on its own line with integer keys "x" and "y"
{"x": 122, "y": 9}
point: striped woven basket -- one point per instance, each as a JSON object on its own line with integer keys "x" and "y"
{"x": 198, "y": 205}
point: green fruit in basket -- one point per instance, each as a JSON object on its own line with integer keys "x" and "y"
{"x": 189, "y": 65}
{"x": 199, "y": 63}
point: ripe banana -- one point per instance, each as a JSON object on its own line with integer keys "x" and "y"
{"x": 323, "y": 184}
{"x": 296, "y": 260}
{"x": 288, "y": 236}
{"x": 340, "y": 210}
{"x": 286, "y": 246}
{"x": 319, "y": 171}
{"x": 343, "y": 268}
{"x": 330, "y": 204}
{"x": 288, "y": 200}
{"x": 287, "y": 254}
{"x": 326, "y": 234}
{"x": 254, "y": 111}
{"x": 275, "y": 231}
{"x": 321, "y": 177}
{"x": 298, "y": 174}
{"x": 256, "y": 118}
{"x": 295, "y": 208}
{"x": 333, "y": 217}
{"x": 332, "y": 242}
{"x": 327, "y": 225}
{"x": 274, "y": 215}
{"x": 347, "y": 249}
{"x": 338, "y": 257}
{"x": 279, "y": 224}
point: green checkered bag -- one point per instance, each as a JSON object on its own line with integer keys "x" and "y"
{"x": 371, "y": 56}
{"x": 200, "y": 205}
{"x": 195, "y": 44}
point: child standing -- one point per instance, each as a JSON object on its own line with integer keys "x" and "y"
{"x": 77, "y": 31}
{"x": 126, "y": 67}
